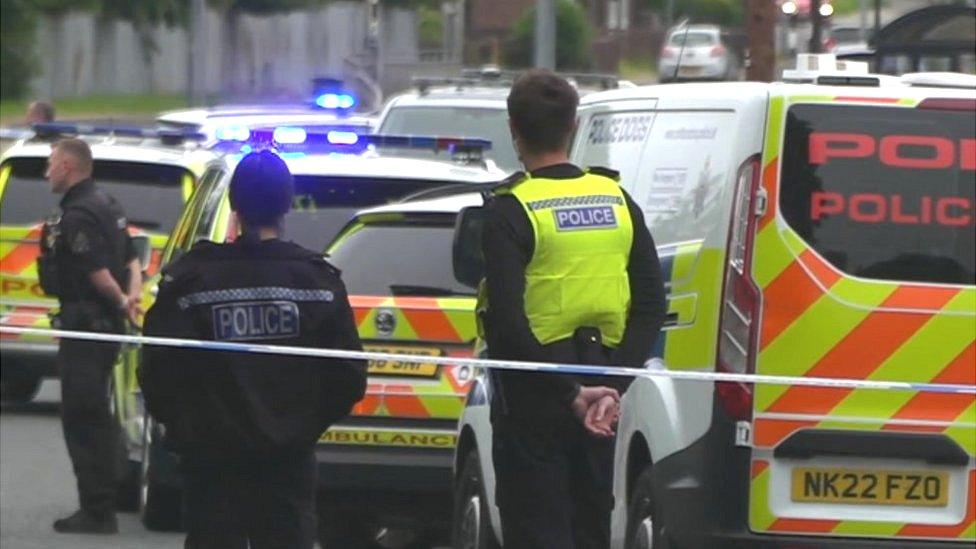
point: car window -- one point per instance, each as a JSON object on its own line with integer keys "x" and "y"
{"x": 490, "y": 124}
{"x": 150, "y": 194}
{"x": 182, "y": 237}
{"x": 409, "y": 258}
{"x": 884, "y": 193}
{"x": 693, "y": 39}
{"x": 323, "y": 205}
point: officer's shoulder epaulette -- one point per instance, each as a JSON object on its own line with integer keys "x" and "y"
{"x": 322, "y": 261}
{"x": 605, "y": 172}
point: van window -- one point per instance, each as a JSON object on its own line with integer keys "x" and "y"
{"x": 883, "y": 192}
{"x": 692, "y": 39}
{"x": 323, "y": 205}
{"x": 150, "y": 194}
{"x": 399, "y": 259}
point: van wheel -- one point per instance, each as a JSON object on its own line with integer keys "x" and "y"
{"x": 643, "y": 528}
{"x": 160, "y": 506}
{"x": 19, "y": 387}
{"x": 472, "y": 522}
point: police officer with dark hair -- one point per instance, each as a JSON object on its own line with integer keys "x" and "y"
{"x": 246, "y": 424}
{"x": 572, "y": 276}
{"x": 89, "y": 262}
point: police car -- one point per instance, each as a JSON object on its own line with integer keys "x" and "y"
{"x": 399, "y": 441}
{"x": 818, "y": 227}
{"x": 473, "y": 105}
{"x": 227, "y": 120}
{"x": 150, "y": 173}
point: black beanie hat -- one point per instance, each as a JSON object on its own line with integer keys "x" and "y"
{"x": 261, "y": 188}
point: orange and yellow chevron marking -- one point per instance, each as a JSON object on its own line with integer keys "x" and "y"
{"x": 26, "y": 317}
{"x": 24, "y": 253}
{"x": 937, "y": 406}
{"x": 793, "y": 292}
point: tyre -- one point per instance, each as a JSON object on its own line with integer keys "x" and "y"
{"x": 472, "y": 519}
{"x": 643, "y": 531}
{"x": 19, "y": 387}
{"x": 160, "y": 506}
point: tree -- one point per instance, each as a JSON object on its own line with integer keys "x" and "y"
{"x": 719, "y": 12}
{"x": 18, "y": 22}
{"x": 572, "y": 38}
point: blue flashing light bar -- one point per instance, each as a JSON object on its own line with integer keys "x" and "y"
{"x": 313, "y": 140}
{"x": 288, "y": 135}
{"x": 334, "y": 101}
{"x": 232, "y": 133}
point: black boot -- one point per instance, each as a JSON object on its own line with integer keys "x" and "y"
{"x": 83, "y": 522}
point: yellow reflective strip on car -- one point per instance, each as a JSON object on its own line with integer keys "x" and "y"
{"x": 810, "y": 99}
{"x": 920, "y": 358}
{"x": 188, "y": 184}
{"x": 378, "y": 437}
{"x": 4, "y": 177}
{"x": 683, "y": 349}
{"x": 774, "y": 130}
{"x": 865, "y": 528}
{"x": 772, "y": 257}
{"x": 684, "y": 306}
{"x": 969, "y": 533}
{"x": 760, "y": 516}
{"x": 813, "y": 334}
{"x": 685, "y": 260}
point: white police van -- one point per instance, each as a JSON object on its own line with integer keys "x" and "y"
{"x": 816, "y": 227}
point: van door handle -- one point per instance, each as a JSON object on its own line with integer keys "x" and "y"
{"x": 936, "y": 449}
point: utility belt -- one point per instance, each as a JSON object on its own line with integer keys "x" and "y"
{"x": 89, "y": 316}
{"x": 585, "y": 347}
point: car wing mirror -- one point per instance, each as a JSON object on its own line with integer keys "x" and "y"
{"x": 468, "y": 261}
{"x": 144, "y": 250}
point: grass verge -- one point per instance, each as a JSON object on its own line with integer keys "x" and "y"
{"x": 127, "y": 107}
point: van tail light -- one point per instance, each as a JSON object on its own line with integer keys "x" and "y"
{"x": 667, "y": 51}
{"x": 739, "y": 322}
{"x": 718, "y": 51}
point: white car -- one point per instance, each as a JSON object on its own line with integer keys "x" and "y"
{"x": 696, "y": 52}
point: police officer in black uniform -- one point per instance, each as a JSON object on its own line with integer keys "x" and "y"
{"x": 88, "y": 261}
{"x": 246, "y": 424}
{"x": 572, "y": 276}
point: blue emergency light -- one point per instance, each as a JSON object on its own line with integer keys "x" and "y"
{"x": 335, "y": 101}
{"x": 309, "y": 140}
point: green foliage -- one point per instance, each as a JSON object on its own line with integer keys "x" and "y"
{"x": 17, "y": 24}
{"x": 572, "y": 38}
{"x": 719, "y": 12}
{"x": 431, "y": 27}
{"x": 263, "y": 6}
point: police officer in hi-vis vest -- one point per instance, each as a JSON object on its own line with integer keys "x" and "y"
{"x": 245, "y": 424}
{"x": 572, "y": 276}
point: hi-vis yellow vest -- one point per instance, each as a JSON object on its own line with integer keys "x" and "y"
{"x": 578, "y": 273}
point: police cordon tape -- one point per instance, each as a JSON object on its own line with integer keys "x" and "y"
{"x": 577, "y": 369}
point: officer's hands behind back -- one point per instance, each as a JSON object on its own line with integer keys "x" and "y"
{"x": 597, "y": 408}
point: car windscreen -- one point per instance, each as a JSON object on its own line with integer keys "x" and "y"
{"x": 324, "y": 204}
{"x": 490, "y": 124}
{"x": 411, "y": 258}
{"x": 692, "y": 39}
{"x": 884, "y": 192}
{"x": 150, "y": 194}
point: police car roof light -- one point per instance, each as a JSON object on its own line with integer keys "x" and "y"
{"x": 232, "y": 133}
{"x": 54, "y": 130}
{"x": 335, "y": 101}
{"x": 287, "y": 135}
{"x": 337, "y": 137}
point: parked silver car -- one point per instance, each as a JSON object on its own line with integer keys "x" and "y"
{"x": 696, "y": 52}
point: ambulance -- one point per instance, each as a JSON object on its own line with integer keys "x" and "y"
{"x": 818, "y": 227}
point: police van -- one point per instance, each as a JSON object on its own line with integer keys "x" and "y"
{"x": 396, "y": 449}
{"x": 150, "y": 173}
{"x": 822, "y": 227}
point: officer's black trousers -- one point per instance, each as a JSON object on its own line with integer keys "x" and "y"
{"x": 554, "y": 484}
{"x": 91, "y": 432}
{"x": 240, "y": 503}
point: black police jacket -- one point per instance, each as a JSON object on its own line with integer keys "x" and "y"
{"x": 92, "y": 235}
{"x": 218, "y": 403}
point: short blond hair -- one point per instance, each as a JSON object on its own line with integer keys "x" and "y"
{"x": 76, "y": 148}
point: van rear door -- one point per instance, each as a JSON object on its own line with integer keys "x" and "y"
{"x": 865, "y": 260}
